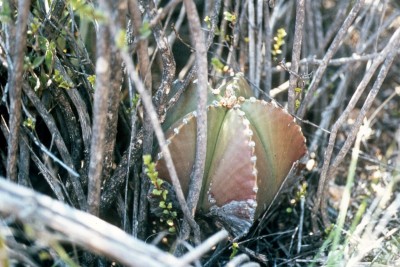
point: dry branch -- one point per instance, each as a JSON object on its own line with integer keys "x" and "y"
{"x": 60, "y": 222}
{"x": 298, "y": 38}
{"x": 198, "y": 41}
{"x": 328, "y": 56}
{"x": 77, "y": 227}
{"x": 388, "y": 54}
{"x": 15, "y": 79}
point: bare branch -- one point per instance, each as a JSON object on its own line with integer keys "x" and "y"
{"x": 15, "y": 76}
{"x": 198, "y": 41}
{"x": 298, "y": 37}
{"x": 77, "y": 227}
{"x": 99, "y": 119}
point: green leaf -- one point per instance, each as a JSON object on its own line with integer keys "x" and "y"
{"x": 159, "y": 182}
{"x": 217, "y": 64}
{"x": 29, "y": 123}
{"x": 49, "y": 59}
{"x": 43, "y": 43}
{"x": 162, "y": 205}
{"x": 37, "y": 61}
{"x": 92, "y": 80}
{"x": 35, "y": 25}
{"x": 164, "y": 194}
{"x": 156, "y": 192}
{"x": 61, "y": 82}
{"x": 230, "y": 17}
{"x": 146, "y": 159}
{"x": 207, "y": 20}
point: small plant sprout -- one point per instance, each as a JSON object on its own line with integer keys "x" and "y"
{"x": 235, "y": 250}
{"x": 161, "y": 194}
{"x": 279, "y": 42}
{"x": 231, "y": 17}
{"x": 298, "y": 91}
{"x": 218, "y": 65}
{"x": 92, "y": 80}
{"x": 60, "y": 81}
{"x": 134, "y": 101}
{"x": 207, "y": 20}
{"x": 30, "y": 123}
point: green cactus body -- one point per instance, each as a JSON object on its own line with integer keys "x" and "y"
{"x": 251, "y": 147}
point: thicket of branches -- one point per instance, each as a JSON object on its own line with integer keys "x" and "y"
{"x": 85, "y": 86}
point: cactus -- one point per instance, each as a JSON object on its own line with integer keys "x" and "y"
{"x": 251, "y": 147}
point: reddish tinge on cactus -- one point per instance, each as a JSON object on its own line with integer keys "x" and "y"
{"x": 251, "y": 147}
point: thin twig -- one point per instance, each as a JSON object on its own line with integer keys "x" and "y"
{"x": 296, "y": 52}
{"x": 329, "y": 111}
{"x": 327, "y": 171}
{"x": 164, "y": 11}
{"x": 252, "y": 42}
{"x": 99, "y": 119}
{"x": 15, "y": 76}
{"x": 259, "y": 51}
{"x": 328, "y": 55}
{"x": 267, "y": 57}
{"x": 168, "y": 69}
{"x": 198, "y": 41}
{"x": 114, "y": 95}
{"x": 205, "y": 246}
{"x": 301, "y": 224}
{"x": 145, "y": 74}
{"x": 147, "y": 102}
{"x": 239, "y": 260}
{"x": 334, "y": 26}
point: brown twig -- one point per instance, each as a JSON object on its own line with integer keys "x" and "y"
{"x": 252, "y": 42}
{"x": 145, "y": 73}
{"x": 114, "y": 95}
{"x": 15, "y": 76}
{"x": 168, "y": 69}
{"x": 199, "y": 44}
{"x": 267, "y": 57}
{"x": 296, "y": 52}
{"x": 259, "y": 51}
{"x": 99, "y": 119}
